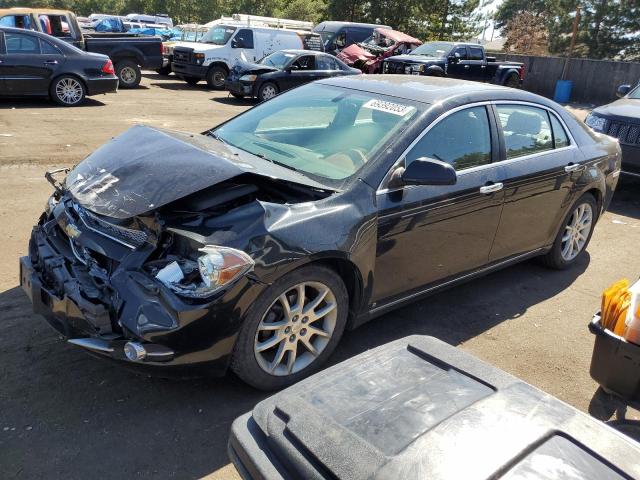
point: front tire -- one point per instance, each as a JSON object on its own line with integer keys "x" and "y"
{"x": 128, "y": 73}
{"x": 574, "y": 235}
{"x": 216, "y": 77}
{"x": 267, "y": 91}
{"x": 292, "y": 329}
{"x": 165, "y": 71}
{"x": 68, "y": 91}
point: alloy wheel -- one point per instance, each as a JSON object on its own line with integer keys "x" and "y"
{"x": 128, "y": 75}
{"x": 577, "y": 231}
{"x": 268, "y": 92}
{"x": 69, "y": 91}
{"x": 296, "y": 328}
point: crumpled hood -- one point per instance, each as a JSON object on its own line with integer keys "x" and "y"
{"x": 248, "y": 67}
{"x": 355, "y": 52}
{"x": 627, "y": 108}
{"x": 146, "y": 168}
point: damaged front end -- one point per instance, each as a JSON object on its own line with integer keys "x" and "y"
{"x": 154, "y": 273}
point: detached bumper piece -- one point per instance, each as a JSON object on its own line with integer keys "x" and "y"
{"x": 418, "y": 408}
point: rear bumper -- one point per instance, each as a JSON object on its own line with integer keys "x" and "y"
{"x": 189, "y": 70}
{"x": 630, "y": 159}
{"x": 97, "y": 86}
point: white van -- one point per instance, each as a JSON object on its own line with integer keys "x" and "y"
{"x": 223, "y": 46}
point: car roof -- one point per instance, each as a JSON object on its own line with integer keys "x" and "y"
{"x": 433, "y": 90}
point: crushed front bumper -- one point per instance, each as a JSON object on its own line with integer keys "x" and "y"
{"x": 238, "y": 87}
{"x": 103, "y": 314}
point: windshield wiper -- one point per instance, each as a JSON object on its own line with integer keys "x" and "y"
{"x": 275, "y": 162}
{"x": 214, "y": 135}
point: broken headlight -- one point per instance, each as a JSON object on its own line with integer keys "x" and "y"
{"x": 213, "y": 269}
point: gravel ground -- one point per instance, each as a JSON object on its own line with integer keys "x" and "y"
{"x": 64, "y": 414}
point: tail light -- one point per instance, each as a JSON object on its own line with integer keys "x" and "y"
{"x": 521, "y": 72}
{"x": 107, "y": 68}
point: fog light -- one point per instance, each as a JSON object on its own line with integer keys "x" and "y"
{"x": 134, "y": 351}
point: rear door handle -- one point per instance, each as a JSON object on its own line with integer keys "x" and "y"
{"x": 466, "y": 66}
{"x": 51, "y": 62}
{"x": 572, "y": 167}
{"x": 494, "y": 187}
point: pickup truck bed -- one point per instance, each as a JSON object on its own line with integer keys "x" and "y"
{"x": 128, "y": 52}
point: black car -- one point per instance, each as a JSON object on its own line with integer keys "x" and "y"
{"x": 281, "y": 71}
{"x": 36, "y": 64}
{"x": 621, "y": 119}
{"x": 254, "y": 245}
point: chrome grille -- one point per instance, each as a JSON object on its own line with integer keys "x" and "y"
{"x": 627, "y": 133}
{"x": 180, "y": 56}
{"x": 126, "y": 236}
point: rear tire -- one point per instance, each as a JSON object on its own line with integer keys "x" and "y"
{"x": 267, "y": 91}
{"x": 279, "y": 346}
{"x": 193, "y": 81}
{"x": 574, "y": 234}
{"x": 67, "y": 91}
{"x": 237, "y": 95}
{"x": 128, "y": 73}
{"x": 216, "y": 77}
{"x": 512, "y": 81}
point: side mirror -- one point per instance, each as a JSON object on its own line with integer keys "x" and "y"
{"x": 452, "y": 59}
{"x": 427, "y": 171}
{"x": 623, "y": 90}
{"x": 291, "y": 68}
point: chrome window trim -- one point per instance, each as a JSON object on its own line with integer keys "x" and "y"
{"x": 572, "y": 143}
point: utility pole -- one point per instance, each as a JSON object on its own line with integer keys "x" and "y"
{"x": 576, "y": 21}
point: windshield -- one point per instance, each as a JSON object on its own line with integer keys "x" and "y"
{"x": 433, "y": 49}
{"x": 324, "y": 132}
{"x": 277, "y": 60}
{"x": 326, "y": 37}
{"x": 635, "y": 93}
{"x": 219, "y": 35}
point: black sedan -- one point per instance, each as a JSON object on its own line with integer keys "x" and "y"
{"x": 283, "y": 70}
{"x": 254, "y": 245}
{"x": 621, "y": 119}
{"x": 36, "y": 64}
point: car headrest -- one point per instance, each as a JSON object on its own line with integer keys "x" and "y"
{"x": 524, "y": 123}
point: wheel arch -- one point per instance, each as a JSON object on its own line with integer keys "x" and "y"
{"x": 218, "y": 64}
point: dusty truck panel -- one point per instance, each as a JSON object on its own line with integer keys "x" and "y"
{"x": 254, "y": 245}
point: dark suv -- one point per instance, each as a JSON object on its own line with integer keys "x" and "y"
{"x": 621, "y": 119}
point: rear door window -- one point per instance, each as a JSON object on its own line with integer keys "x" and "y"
{"x": 325, "y": 62}
{"x": 526, "y": 130}
{"x": 20, "y": 44}
{"x": 462, "y": 139}
{"x": 48, "y": 48}
{"x": 560, "y": 137}
{"x": 476, "y": 53}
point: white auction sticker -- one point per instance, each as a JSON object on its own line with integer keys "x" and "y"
{"x": 389, "y": 107}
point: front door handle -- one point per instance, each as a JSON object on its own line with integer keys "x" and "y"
{"x": 494, "y": 187}
{"x": 572, "y": 167}
{"x": 466, "y": 66}
{"x": 51, "y": 62}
